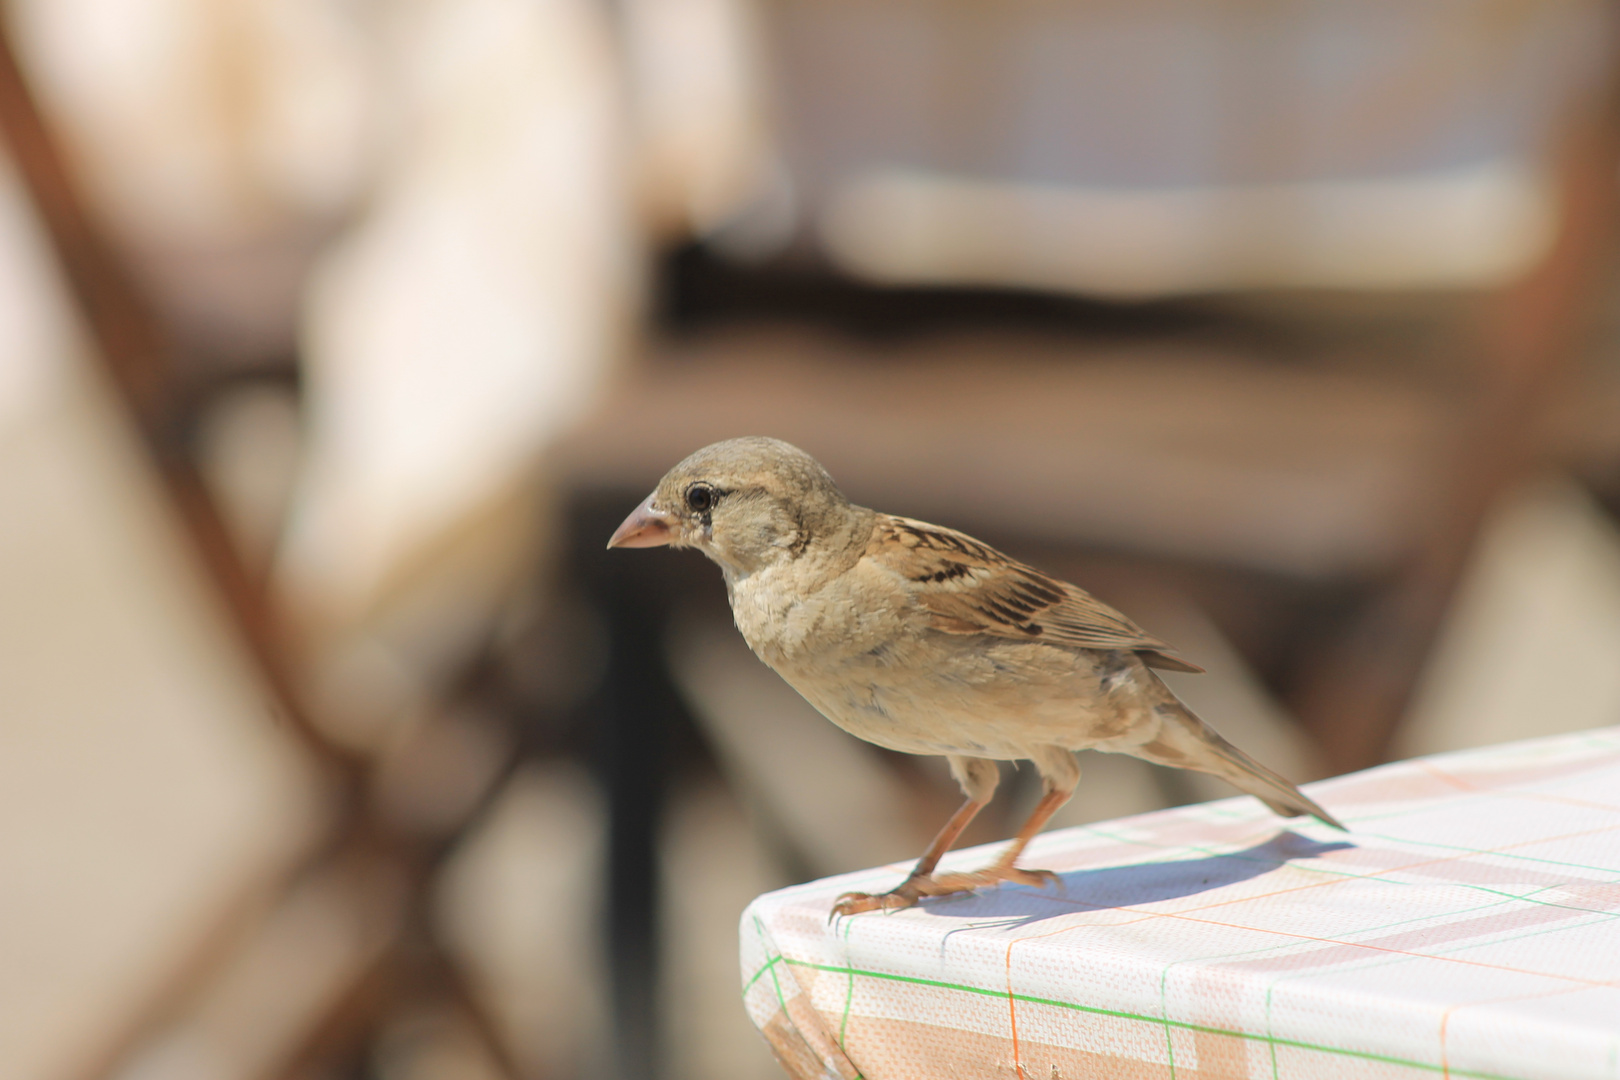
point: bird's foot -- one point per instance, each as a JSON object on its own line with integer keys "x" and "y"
{"x": 946, "y": 884}
{"x": 915, "y": 888}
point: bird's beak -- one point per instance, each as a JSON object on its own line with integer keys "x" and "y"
{"x": 645, "y": 527}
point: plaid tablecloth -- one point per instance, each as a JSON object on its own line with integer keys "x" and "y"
{"x": 1468, "y": 925}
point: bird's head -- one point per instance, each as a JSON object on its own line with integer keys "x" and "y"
{"x": 746, "y": 503}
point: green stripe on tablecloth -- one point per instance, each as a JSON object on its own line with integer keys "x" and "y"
{"x": 1119, "y": 1014}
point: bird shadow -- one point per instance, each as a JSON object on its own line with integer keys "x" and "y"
{"x": 1128, "y": 886}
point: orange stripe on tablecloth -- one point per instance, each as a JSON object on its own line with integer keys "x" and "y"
{"x": 1012, "y": 997}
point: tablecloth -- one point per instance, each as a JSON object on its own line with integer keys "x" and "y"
{"x": 1467, "y": 925}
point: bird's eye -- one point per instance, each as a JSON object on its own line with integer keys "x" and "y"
{"x": 700, "y": 498}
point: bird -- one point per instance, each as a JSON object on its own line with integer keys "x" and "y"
{"x": 922, "y": 639}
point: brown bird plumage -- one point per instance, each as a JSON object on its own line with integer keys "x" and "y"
{"x": 922, "y": 639}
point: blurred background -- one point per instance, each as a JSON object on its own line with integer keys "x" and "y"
{"x": 337, "y": 335}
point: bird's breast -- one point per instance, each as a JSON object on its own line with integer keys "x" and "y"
{"x": 789, "y": 625}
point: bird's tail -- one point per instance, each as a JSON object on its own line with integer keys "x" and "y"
{"x": 1186, "y": 742}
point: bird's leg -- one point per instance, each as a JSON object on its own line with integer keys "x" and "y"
{"x": 1005, "y": 868}
{"x": 978, "y": 778}
{"x": 1061, "y": 774}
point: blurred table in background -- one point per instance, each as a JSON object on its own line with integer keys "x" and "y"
{"x": 1465, "y": 926}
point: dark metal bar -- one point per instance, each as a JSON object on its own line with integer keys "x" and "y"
{"x": 635, "y": 704}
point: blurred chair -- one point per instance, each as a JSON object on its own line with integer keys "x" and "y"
{"x": 154, "y": 809}
{"x": 284, "y": 918}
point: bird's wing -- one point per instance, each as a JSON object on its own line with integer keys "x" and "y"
{"x": 967, "y": 587}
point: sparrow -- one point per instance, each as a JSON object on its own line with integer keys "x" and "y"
{"x": 922, "y": 639}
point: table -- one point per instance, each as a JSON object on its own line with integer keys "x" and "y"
{"x": 1468, "y": 925}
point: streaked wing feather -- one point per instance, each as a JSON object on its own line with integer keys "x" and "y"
{"x": 968, "y": 587}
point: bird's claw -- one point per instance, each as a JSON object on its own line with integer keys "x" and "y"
{"x": 913, "y": 889}
{"x": 853, "y": 903}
